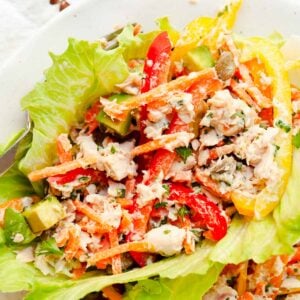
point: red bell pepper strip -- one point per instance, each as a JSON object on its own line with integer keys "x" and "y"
{"x": 70, "y": 176}
{"x": 266, "y": 114}
{"x": 157, "y": 64}
{"x": 204, "y": 211}
{"x": 156, "y": 71}
{"x": 163, "y": 159}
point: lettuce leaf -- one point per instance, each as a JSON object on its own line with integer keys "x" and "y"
{"x": 78, "y": 76}
{"x": 165, "y": 25}
{"x": 76, "y": 79}
{"x": 15, "y": 223}
{"x": 15, "y": 275}
{"x": 135, "y": 46}
{"x": 189, "y": 287}
{"x": 274, "y": 235}
{"x": 178, "y": 267}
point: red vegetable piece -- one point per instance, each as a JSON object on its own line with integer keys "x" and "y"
{"x": 205, "y": 212}
{"x": 90, "y": 116}
{"x": 156, "y": 70}
{"x": 157, "y": 64}
{"x": 266, "y": 114}
{"x": 70, "y": 176}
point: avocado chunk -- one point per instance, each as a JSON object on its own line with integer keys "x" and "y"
{"x": 198, "y": 59}
{"x": 121, "y": 127}
{"x": 44, "y": 214}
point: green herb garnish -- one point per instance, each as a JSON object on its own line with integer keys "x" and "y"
{"x": 160, "y": 204}
{"x": 283, "y": 126}
{"x": 183, "y": 211}
{"x": 184, "y": 152}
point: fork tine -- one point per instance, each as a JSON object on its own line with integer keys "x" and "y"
{"x": 110, "y": 40}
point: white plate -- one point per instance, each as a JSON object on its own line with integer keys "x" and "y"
{"x": 93, "y": 18}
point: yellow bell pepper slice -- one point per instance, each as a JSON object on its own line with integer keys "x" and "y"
{"x": 223, "y": 24}
{"x": 265, "y": 201}
{"x": 206, "y": 30}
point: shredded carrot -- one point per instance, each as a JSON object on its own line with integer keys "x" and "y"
{"x": 261, "y": 100}
{"x": 295, "y": 94}
{"x": 140, "y": 246}
{"x": 105, "y": 244}
{"x": 91, "y": 214}
{"x": 155, "y": 144}
{"x": 124, "y": 202}
{"x": 15, "y": 203}
{"x": 242, "y": 94}
{"x": 242, "y": 278}
{"x": 246, "y": 296}
{"x": 140, "y": 223}
{"x": 189, "y": 247}
{"x": 119, "y": 111}
{"x": 256, "y": 70}
{"x": 63, "y": 155}
{"x": 60, "y": 169}
{"x": 126, "y": 221}
{"x": 116, "y": 263}
{"x": 110, "y": 293}
{"x": 78, "y": 272}
{"x": 72, "y": 244}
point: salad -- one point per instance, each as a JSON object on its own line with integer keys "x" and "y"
{"x": 167, "y": 160}
{"x": 277, "y": 278}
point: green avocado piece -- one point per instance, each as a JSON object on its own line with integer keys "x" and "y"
{"x": 198, "y": 59}
{"x": 44, "y": 214}
{"x": 121, "y": 127}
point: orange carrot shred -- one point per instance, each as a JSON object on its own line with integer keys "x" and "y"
{"x": 111, "y": 293}
{"x": 116, "y": 260}
{"x": 91, "y": 214}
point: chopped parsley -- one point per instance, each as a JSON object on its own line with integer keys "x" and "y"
{"x": 167, "y": 188}
{"x": 121, "y": 193}
{"x": 276, "y": 149}
{"x": 47, "y": 247}
{"x": 296, "y": 140}
{"x": 239, "y": 114}
{"x": 183, "y": 211}
{"x": 209, "y": 115}
{"x": 113, "y": 150}
{"x": 184, "y": 152}
{"x": 167, "y": 231}
{"x": 196, "y": 233}
{"x": 239, "y": 166}
{"x": 283, "y": 126}
{"x": 160, "y": 204}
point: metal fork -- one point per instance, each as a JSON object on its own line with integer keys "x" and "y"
{"x": 108, "y": 41}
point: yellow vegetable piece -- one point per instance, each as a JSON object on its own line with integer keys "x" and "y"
{"x": 191, "y": 36}
{"x": 263, "y": 203}
{"x": 206, "y": 30}
{"x": 245, "y": 204}
{"x": 223, "y": 23}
